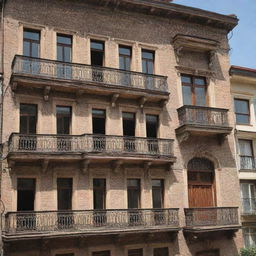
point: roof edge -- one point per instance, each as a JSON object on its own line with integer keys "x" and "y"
{"x": 242, "y": 71}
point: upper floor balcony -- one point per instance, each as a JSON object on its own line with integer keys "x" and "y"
{"x": 90, "y": 147}
{"x": 89, "y": 222}
{"x": 50, "y": 75}
{"x": 200, "y": 120}
{"x": 211, "y": 219}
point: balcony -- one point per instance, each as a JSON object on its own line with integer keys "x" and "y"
{"x": 199, "y": 220}
{"x": 198, "y": 120}
{"x": 90, "y": 147}
{"x": 89, "y": 222}
{"x": 51, "y": 75}
{"x": 247, "y": 163}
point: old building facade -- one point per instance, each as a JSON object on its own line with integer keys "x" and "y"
{"x": 243, "y": 88}
{"x": 117, "y": 130}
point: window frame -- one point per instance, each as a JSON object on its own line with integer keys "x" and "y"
{"x": 102, "y": 189}
{"x": 161, "y": 188}
{"x": 193, "y": 87}
{"x": 97, "y": 50}
{"x": 28, "y": 118}
{"x": 63, "y": 46}
{"x": 147, "y": 60}
{"x": 237, "y": 113}
{"x": 62, "y": 116}
{"x": 125, "y": 56}
{"x": 31, "y": 41}
{"x": 134, "y": 188}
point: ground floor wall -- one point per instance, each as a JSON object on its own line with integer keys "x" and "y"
{"x": 178, "y": 244}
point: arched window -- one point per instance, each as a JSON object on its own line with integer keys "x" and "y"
{"x": 201, "y": 189}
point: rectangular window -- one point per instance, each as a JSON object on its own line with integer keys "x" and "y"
{"x": 135, "y": 252}
{"x": 247, "y": 160}
{"x": 98, "y": 121}
{"x": 193, "y": 90}
{"x": 248, "y": 196}
{"x": 209, "y": 253}
{"x": 99, "y": 194}
{"x": 28, "y": 118}
{"x": 64, "y": 48}
{"x": 97, "y": 53}
{"x": 242, "y": 111}
{"x": 129, "y": 123}
{"x": 102, "y": 253}
{"x": 63, "y": 116}
{"x": 158, "y": 193}
{"x": 152, "y": 126}
{"x": 133, "y": 192}
{"x": 64, "y": 188}
{"x": 249, "y": 234}
{"x": 26, "y": 188}
{"x": 161, "y": 251}
{"x": 31, "y": 43}
{"x": 148, "y": 61}
{"x": 125, "y": 54}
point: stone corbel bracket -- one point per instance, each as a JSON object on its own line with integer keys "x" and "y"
{"x": 47, "y": 90}
{"x": 142, "y": 102}
{"x": 44, "y": 165}
{"x": 116, "y": 166}
{"x": 85, "y": 165}
{"x": 114, "y": 99}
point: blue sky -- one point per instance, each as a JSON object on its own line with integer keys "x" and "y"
{"x": 243, "y": 37}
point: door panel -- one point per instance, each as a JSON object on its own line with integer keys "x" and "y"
{"x": 201, "y": 196}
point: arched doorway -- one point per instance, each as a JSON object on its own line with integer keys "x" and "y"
{"x": 201, "y": 185}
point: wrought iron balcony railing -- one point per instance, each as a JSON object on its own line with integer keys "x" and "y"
{"x": 249, "y": 206}
{"x": 203, "y": 116}
{"x": 218, "y": 216}
{"x": 90, "y": 143}
{"x": 90, "y": 220}
{"x": 247, "y": 163}
{"x": 51, "y": 69}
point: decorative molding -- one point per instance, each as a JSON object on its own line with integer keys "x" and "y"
{"x": 195, "y": 72}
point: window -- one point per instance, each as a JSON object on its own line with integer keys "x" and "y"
{"x": 133, "y": 187}
{"x": 242, "y": 111}
{"x": 135, "y": 252}
{"x": 31, "y": 43}
{"x": 161, "y": 251}
{"x": 193, "y": 90}
{"x": 26, "y": 188}
{"x": 125, "y": 54}
{"x": 158, "y": 193}
{"x": 99, "y": 194}
{"x": 129, "y": 122}
{"x": 246, "y": 155}
{"x": 98, "y": 121}
{"x": 249, "y": 234}
{"x": 65, "y": 254}
{"x": 102, "y": 253}
{"x": 64, "y": 188}
{"x": 148, "y": 62}
{"x": 63, "y": 115}
{"x": 209, "y": 253}
{"x": 28, "y": 118}
{"x": 97, "y": 53}
{"x": 151, "y": 126}
{"x": 248, "y": 196}
{"x": 64, "y": 48}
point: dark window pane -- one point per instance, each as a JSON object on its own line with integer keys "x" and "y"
{"x": 199, "y": 81}
{"x": 150, "y": 68}
{"x": 147, "y": 55}
{"x": 133, "y": 183}
{"x": 97, "y": 45}
{"x": 206, "y": 177}
{"x": 245, "y": 147}
{"x": 63, "y": 116}
{"x": 144, "y": 66}
{"x": 133, "y": 186}
{"x": 67, "y": 54}
{"x": 242, "y": 119}
{"x": 35, "y": 50}
{"x": 62, "y": 39}
{"x": 60, "y": 53}
{"x": 28, "y": 118}
{"x": 187, "y": 95}
{"x": 121, "y": 62}
{"x": 242, "y": 106}
{"x": 161, "y": 251}
{"x": 125, "y": 51}
{"x": 186, "y": 79}
{"x": 26, "y": 48}
{"x": 98, "y": 113}
{"x": 33, "y": 35}
{"x": 200, "y": 96}
{"x": 64, "y": 188}
{"x": 135, "y": 252}
{"x": 102, "y": 253}
{"x": 99, "y": 193}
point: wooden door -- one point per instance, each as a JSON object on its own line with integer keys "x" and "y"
{"x": 201, "y": 189}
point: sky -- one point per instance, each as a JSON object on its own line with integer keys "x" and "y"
{"x": 243, "y": 37}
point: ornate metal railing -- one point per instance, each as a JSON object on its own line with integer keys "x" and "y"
{"x": 90, "y": 143}
{"x": 247, "y": 163}
{"x": 249, "y": 206}
{"x": 90, "y": 220}
{"x": 197, "y": 115}
{"x": 218, "y": 216}
{"x": 52, "y": 69}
